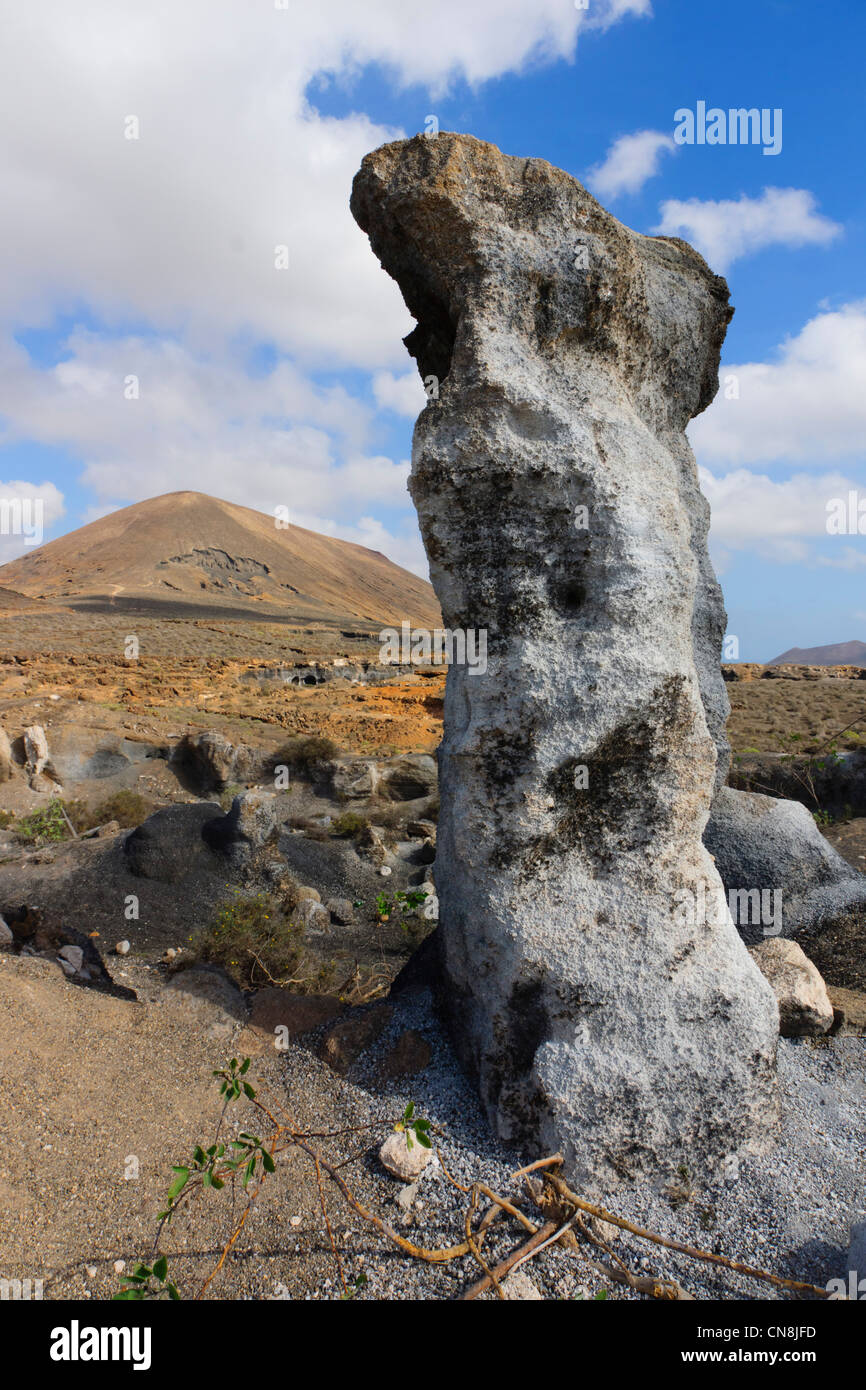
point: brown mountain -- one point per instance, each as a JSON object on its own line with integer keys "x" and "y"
{"x": 837, "y": 654}
{"x": 186, "y": 555}
{"x": 10, "y": 601}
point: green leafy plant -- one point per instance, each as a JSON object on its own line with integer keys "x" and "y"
{"x": 414, "y": 1127}
{"x": 207, "y": 1169}
{"x": 354, "y": 1288}
{"x": 252, "y": 940}
{"x": 149, "y": 1282}
{"x": 402, "y": 902}
{"x": 46, "y": 826}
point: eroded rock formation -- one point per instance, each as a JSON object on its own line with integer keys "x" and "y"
{"x": 558, "y": 500}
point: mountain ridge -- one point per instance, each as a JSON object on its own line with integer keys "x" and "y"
{"x": 185, "y": 553}
{"x": 834, "y": 654}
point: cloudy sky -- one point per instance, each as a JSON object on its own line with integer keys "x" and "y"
{"x": 153, "y": 157}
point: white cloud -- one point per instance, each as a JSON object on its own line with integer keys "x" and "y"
{"x": 749, "y": 508}
{"x": 198, "y": 424}
{"x": 404, "y": 547}
{"x": 849, "y": 559}
{"x": 28, "y": 512}
{"x": 727, "y": 230}
{"x": 403, "y": 394}
{"x": 779, "y": 520}
{"x": 807, "y": 406}
{"x": 176, "y": 231}
{"x": 630, "y": 162}
{"x": 179, "y": 226}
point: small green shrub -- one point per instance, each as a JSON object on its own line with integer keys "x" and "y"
{"x": 349, "y": 825}
{"x": 46, "y": 826}
{"x": 305, "y": 754}
{"x": 228, "y": 794}
{"x": 252, "y": 940}
{"x": 127, "y": 807}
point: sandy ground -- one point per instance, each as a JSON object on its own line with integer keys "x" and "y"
{"x": 114, "y": 1084}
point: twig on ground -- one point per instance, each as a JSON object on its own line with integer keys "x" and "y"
{"x": 601, "y": 1214}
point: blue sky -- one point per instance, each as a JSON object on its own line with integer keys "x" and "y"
{"x": 152, "y": 257}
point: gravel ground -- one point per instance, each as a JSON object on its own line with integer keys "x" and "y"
{"x": 788, "y": 1213}
{"x": 100, "y": 1079}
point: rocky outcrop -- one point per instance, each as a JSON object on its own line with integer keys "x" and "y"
{"x": 411, "y": 777}
{"x": 170, "y": 844}
{"x": 559, "y": 505}
{"x": 7, "y": 765}
{"x": 773, "y": 847}
{"x": 805, "y": 1009}
{"x": 212, "y": 762}
{"x": 753, "y": 671}
{"x": 253, "y": 818}
{"x": 35, "y": 752}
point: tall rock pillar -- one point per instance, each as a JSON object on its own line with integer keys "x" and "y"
{"x": 601, "y": 1007}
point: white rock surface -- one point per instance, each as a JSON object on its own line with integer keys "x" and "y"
{"x": 35, "y": 750}
{"x": 401, "y": 1161}
{"x": 519, "y": 1288}
{"x": 559, "y": 505}
{"x": 72, "y": 956}
{"x": 312, "y": 916}
{"x": 6, "y": 763}
{"x": 804, "y": 1004}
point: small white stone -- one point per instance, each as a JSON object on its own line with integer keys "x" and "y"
{"x": 406, "y": 1196}
{"x": 401, "y": 1161}
{"x": 119, "y": 1266}
{"x": 520, "y": 1288}
{"x": 73, "y": 956}
{"x": 122, "y": 948}
{"x": 385, "y": 871}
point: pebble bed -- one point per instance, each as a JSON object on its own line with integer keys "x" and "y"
{"x": 789, "y": 1212}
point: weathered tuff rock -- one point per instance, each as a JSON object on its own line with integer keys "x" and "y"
{"x": 7, "y": 766}
{"x": 761, "y": 842}
{"x": 247, "y": 826}
{"x": 212, "y": 762}
{"x": 35, "y": 751}
{"x": 569, "y": 355}
{"x": 804, "y": 1004}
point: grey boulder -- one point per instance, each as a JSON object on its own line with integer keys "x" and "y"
{"x": 763, "y": 844}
